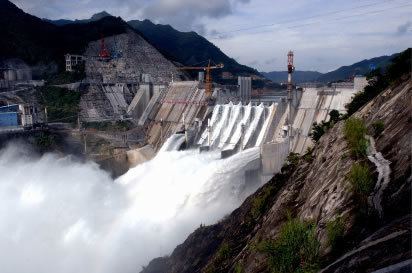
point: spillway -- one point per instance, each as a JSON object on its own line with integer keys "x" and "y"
{"x": 59, "y": 215}
{"x": 239, "y": 127}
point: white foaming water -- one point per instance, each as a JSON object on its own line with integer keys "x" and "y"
{"x": 58, "y": 215}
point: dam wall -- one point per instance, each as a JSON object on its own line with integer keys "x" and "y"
{"x": 179, "y": 106}
{"x": 315, "y": 106}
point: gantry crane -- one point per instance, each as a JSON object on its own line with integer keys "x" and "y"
{"x": 208, "y": 69}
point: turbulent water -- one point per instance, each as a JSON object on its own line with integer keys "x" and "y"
{"x": 226, "y": 126}
{"x": 59, "y": 215}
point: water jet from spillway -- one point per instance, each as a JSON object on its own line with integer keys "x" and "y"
{"x": 58, "y": 215}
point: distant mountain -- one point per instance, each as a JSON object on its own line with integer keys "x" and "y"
{"x": 38, "y": 42}
{"x": 94, "y": 18}
{"x": 188, "y": 48}
{"x": 298, "y": 76}
{"x": 340, "y": 74}
{"x": 359, "y": 68}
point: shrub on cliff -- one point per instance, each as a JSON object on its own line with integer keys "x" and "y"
{"x": 355, "y": 132}
{"x": 361, "y": 179}
{"x": 296, "y": 249}
{"x": 335, "y": 230}
{"x": 378, "y": 127}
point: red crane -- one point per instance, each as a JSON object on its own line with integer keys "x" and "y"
{"x": 104, "y": 54}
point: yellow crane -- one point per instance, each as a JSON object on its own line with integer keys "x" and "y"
{"x": 208, "y": 69}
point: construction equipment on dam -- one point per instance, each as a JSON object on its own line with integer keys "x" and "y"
{"x": 209, "y": 80}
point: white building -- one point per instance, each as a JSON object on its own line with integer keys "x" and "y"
{"x": 72, "y": 61}
{"x": 360, "y": 82}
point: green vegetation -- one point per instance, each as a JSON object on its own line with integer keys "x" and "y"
{"x": 68, "y": 77}
{"x": 318, "y": 130}
{"x": 188, "y": 48}
{"x": 335, "y": 230}
{"x": 361, "y": 180}
{"x": 44, "y": 141}
{"x": 293, "y": 159}
{"x": 239, "y": 268}
{"x": 308, "y": 156}
{"x": 223, "y": 252}
{"x": 261, "y": 201}
{"x": 378, "y": 127}
{"x": 379, "y": 81}
{"x": 62, "y": 104}
{"x": 120, "y": 125}
{"x": 355, "y": 132}
{"x": 295, "y": 250}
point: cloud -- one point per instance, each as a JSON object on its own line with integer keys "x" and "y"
{"x": 185, "y": 15}
{"x": 338, "y": 42}
{"x": 214, "y": 34}
{"x": 253, "y": 63}
{"x": 402, "y": 29}
{"x": 271, "y": 61}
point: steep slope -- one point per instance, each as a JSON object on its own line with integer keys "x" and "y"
{"x": 188, "y": 48}
{"x": 298, "y": 76}
{"x": 316, "y": 188}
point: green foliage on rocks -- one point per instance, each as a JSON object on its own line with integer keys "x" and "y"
{"x": 361, "y": 179}
{"x": 239, "y": 268}
{"x": 318, "y": 130}
{"x": 355, "y": 132}
{"x": 62, "y": 104}
{"x": 295, "y": 250}
{"x": 67, "y": 77}
{"x": 120, "y": 125}
{"x": 378, "y": 127}
{"x": 335, "y": 230}
{"x": 260, "y": 202}
{"x": 44, "y": 141}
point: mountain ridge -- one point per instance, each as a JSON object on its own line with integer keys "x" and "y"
{"x": 187, "y": 48}
{"x": 342, "y": 73}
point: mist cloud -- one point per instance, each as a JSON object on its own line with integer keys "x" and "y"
{"x": 59, "y": 215}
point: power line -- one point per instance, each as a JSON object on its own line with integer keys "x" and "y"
{"x": 216, "y": 36}
{"x": 354, "y": 15}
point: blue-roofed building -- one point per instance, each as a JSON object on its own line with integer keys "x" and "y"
{"x": 9, "y": 115}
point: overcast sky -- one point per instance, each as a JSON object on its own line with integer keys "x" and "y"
{"x": 324, "y": 34}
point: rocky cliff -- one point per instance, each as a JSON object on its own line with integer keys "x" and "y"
{"x": 342, "y": 229}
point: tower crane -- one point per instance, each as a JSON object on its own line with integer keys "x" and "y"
{"x": 208, "y": 69}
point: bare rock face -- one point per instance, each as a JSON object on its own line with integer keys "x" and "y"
{"x": 112, "y": 83}
{"x": 131, "y": 57}
{"x": 317, "y": 190}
